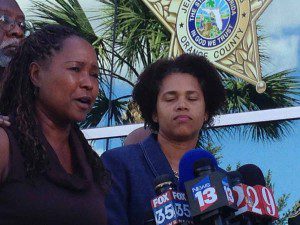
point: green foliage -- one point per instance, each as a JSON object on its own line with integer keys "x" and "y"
{"x": 229, "y": 167}
{"x": 282, "y": 91}
{"x": 268, "y": 179}
{"x": 215, "y": 150}
{"x": 210, "y": 3}
{"x": 281, "y": 202}
{"x": 65, "y": 12}
{"x": 141, "y": 39}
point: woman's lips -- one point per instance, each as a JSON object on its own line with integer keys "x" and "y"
{"x": 182, "y": 118}
{"x": 84, "y": 102}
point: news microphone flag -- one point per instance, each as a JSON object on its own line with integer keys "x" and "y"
{"x": 170, "y": 206}
{"x": 209, "y": 191}
{"x": 253, "y": 199}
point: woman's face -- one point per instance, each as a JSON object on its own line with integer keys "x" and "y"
{"x": 180, "y": 107}
{"x": 68, "y": 81}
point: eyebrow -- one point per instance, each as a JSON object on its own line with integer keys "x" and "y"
{"x": 175, "y": 92}
{"x": 81, "y": 63}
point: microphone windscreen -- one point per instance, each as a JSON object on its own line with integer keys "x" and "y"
{"x": 252, "y": 175}
{"x": 203, "y": 162}
{"x": 235, "y": 175}
{"x": 186, "y": 164}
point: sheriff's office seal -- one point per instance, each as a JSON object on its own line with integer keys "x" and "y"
{"x": 224, "y": 31}
{"x": 212, "y": 28}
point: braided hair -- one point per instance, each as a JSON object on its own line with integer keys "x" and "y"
{"x": 39, "y": 46}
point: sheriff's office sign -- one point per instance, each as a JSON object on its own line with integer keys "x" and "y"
{"x": 224, "y": 31}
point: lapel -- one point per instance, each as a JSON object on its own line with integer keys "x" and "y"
{"x": 155, "y": 157}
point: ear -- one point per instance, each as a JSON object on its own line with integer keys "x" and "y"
{"x": 154, "y": 117}
{"x": 34, "y": 73}
{"x": 205, "y": 117}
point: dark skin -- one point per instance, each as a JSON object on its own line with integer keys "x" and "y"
{"x": 11, "y": 8}
{"x": 136, "y": 136}
{"x": 74, "y": 77}
{"x": 68, "y": 79}
{"x": 180, "y": 113}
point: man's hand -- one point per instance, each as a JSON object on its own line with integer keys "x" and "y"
{"x": 4, "y": 121}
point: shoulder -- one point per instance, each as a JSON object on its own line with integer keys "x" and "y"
{"x": 124, "y": 153}
{"x": 124, "y": 160}
{"x": 4, "y": 154}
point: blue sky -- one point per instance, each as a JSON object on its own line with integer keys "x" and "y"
{"x": 281, "y": 24}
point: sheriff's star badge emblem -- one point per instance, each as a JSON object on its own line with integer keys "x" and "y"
{"x": 224, "y": 31}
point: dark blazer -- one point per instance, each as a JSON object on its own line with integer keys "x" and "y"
{"x": 133, "y": 170}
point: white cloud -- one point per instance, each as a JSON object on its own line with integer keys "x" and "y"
{"x": 282, "y": 46}
{"x": 283, "y": 52}
{"x": 279, "y": 15}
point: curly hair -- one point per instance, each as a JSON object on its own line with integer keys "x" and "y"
{"x": 20, "y": 103}
{"x": 148, "y": 85}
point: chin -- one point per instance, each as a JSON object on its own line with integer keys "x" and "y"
{"x": 79, "y": 118}
{"x": 185, "y": 136}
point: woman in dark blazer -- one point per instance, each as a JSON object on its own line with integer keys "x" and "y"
{"x": 176, "y": 97}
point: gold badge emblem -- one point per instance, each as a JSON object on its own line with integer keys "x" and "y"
{"x": 224, "y": 31}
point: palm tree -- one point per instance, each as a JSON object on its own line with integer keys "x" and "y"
{"x": 140, "y": 40}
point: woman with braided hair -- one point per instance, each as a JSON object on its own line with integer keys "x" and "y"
{"x": 49, "y": 174}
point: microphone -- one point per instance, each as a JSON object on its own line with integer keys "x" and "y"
{"x": 186, "y": 169}
{"x": 169, "y": 206}
{"x": 207, "y": 187}
{"x": 252, "y": 175}
{"x": 255, "y": 202}
{"x": 239, "y": 193}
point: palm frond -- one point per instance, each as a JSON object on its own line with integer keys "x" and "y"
{"x": 101, "y": 108}
{"x": 65, "y": 12}
{"x": 141, "y": 39}
{"x": 282, "y": 91}
{"x": 69, "y": 13}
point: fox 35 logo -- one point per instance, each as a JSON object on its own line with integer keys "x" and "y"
{"x": 204, "y": 193}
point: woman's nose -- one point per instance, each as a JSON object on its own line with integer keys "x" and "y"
{"x": 182, "y": 104}
{"x": 86, "y": 81}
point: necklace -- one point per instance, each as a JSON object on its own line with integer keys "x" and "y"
{"x": 176, "y": 174}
